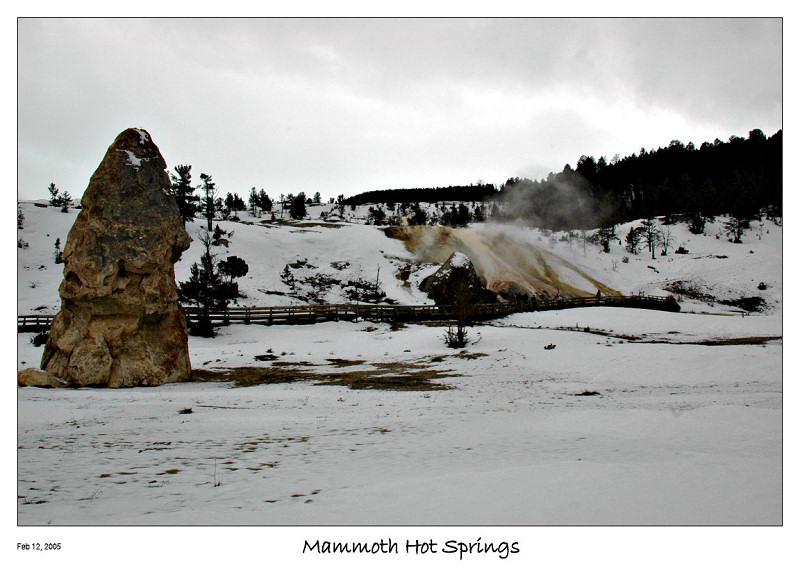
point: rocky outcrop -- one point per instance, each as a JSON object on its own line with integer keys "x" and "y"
{"x": 120, "y": 324}
{"x": 37, "y": 378}
{"x": 456, "y": 282}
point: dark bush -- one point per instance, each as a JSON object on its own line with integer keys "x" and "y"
{"x": 40, "y": 338}
{"x": 456, "y": 338}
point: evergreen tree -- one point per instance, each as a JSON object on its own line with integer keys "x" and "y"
{"x": 650, "y": 234}
{"x": 183, "y": 192}
{"x": 633, "y": 239}
{"x": 252, "y": 200}
{"x": 66, "y": 202}
{"x": 605, "y": 235}
{"x": 264, "y": 201}
{"x": 297, "y": 206}
{"x": 55, "y": 197}
{"x": 210, "y": 202}
{"x": 59, "y": 256}
{"x": 233, "y": 267}
{"x": 232, "y": 205}
{"x": 418, "y": 216}
{"x": 697, "y": 223}
{"x": 735, "y": 227}
{"x": 211, "y": 285}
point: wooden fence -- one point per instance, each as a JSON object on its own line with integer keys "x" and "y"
{"x": 349, "y": 312}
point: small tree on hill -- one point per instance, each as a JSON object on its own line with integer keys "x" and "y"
{"x": 297, "y": 206}
{"x": 418, "y": 216}
{"x": 376, "y": 216}
{"x": 59, "y": 255}
{"x": 666, "y": 239}
{"x": 605, "y": 235}
{"x": 697, "y": 223}
{"x": 650, "y": 234}
{"x": 211, "y": 285}
{"x": 252, "y": 201}
{"x": 183, "y": 192}
{"x": 66, "y": 202}
{"x": 55, "y": 195}
{"x": 232, "y": 205}
{"x": 735, "y": 227}
{"x": 210, "y": 202}
{"x": 633, "y": 239}
{"x": 264, "y": 201}
{"x": 463, "y": 298}
{"x": 233, "y": 267}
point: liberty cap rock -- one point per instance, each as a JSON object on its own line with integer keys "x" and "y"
{"x": 120, "y": 323}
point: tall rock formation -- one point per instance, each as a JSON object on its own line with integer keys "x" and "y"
{"x": 120, "y": 324}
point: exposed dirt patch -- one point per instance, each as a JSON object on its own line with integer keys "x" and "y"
{"x": 691, "y": 290}
{"x": 407, "y": 380}
{"x": 644, "y": 338}
{"x": 749, "y": 304}
{"x": 398, "y": 376}
{"x": 266, "y": 357}
{"x": 756, "y": 340}
{"x": 588, "y": 393}
{"x": 252, "y": 376}
{"x": 339, "y": 363}
{"x": 469, "y": 356}
{"x": 300, "y": 224}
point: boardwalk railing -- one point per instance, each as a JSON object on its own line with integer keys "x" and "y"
{"x": 36, "y": 322}
{"x": 371, "y": 312}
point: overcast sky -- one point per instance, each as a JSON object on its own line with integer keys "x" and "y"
{"x": 342, "y": 106}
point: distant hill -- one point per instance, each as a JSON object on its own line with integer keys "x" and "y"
{"x": 472, "y": 193}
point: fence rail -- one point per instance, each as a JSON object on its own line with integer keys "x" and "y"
{"x": 334, "y": 312}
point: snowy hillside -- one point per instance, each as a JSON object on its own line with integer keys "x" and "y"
{"x": 324, "y": 256}
{"x": 584, "y": 416}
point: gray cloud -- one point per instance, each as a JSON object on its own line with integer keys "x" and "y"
{"x": 348, "y": 105}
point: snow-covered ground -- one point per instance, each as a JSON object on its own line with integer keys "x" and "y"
{"x": 584, "y": 416}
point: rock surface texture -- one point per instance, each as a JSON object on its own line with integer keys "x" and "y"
{"x": 120, "y": 324}
{"x": 457, "y": 282}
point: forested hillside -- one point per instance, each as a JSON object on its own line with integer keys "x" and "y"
{"x": 739, "y": 177}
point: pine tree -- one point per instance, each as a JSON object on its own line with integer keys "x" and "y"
{"x": 297, "y": 206}
{"x": 66, "y": 202}
{"x": 264, "y": 201}
{"x": 697, "y": 223}
{"x": 605, "y": 234}
{"x": 55, "y": 197}
{"x": 183, "y": 192}
{"x": 735, "y": 227}
{"x": 252, "y": 200}
{"x": 650, "y": 234}
{"x": 211, "y": 285}
{"x": 59, "y": 256}
{"x": 233, "y": 267}
{"x": 633, "y": 239}
{"x": 210, "y": 202}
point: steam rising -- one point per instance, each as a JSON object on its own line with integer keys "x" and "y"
{"x": 563, "y": 201}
